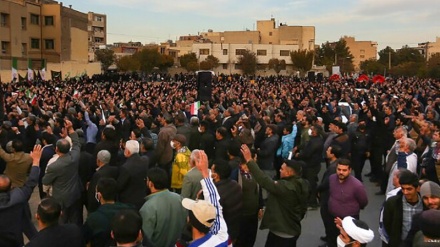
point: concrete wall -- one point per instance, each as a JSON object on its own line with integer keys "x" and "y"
{"x": 361, "y": 50}
{"x": 67, "y": 68}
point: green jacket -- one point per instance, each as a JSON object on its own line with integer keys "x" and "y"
{"x": 163, "y": 218}
{"x": 286, "y": 204}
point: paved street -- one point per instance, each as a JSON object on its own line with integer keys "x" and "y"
{"x": 312, "y": 227}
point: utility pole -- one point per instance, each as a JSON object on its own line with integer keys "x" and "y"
{"x": 389, "y": 60}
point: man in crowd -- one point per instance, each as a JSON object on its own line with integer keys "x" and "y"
{"x": 131, "y": 183}
{"x": 287, "y": 201}
{"x": 399, "y": 209}
{"x": 347, "y": 196}
{"x": 163, "y": 217}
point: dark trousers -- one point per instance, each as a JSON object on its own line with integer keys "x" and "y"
{"x": 358, "y": 161}
{"x": 248, "y": 231}
{"x": 28, "y": 227}
{"x": 274, "y": 240}
{"x": 327, "y": 219}
{"x": 73, "y": 214}
{"x": 311, "y": 174}
{"x": 376, "y": 162}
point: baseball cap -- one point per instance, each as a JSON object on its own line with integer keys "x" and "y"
{"x": 203, "y": 211}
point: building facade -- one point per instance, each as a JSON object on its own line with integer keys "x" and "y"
{"x": 361, "y": 50}
{"x": 97, "y": 28}
{"x": 33, "y": 31}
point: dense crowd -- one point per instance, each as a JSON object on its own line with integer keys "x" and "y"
{"x": 134, "y": 152}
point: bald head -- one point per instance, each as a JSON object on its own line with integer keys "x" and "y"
{"x": 5, "y": 183}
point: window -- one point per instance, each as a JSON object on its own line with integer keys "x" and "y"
{"x": 225, "y": 51}
{"x": 362, "y": 51}
{"x": 162, "y": 50}
{"x": 35, "y": 19}
{"x": 261, "y": 52}
{"x": 5, "y": 47}
{"x": 225, "y": 66}
{"x": 362, "y": 56}
{"x": 49, "y": 44}
{"x": 237, "y": 66}
{"x": 270, "y": 33}
{"x": 284, "y": 53}
{"x": 98, "y": 18}
{"x": 23, "y": 23}
{"x": 240, "y": 51}
{"x": 23, "y": 49}
{"x": 35, "y": 43}
{"x": 203, "y": 51}
{"x": 4, "y": 20}
{"x": 48, "y": 20}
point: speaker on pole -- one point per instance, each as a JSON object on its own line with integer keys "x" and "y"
{"x": 204, "y": 85}
{"x": 320, "y": 77}
{"x": 311, "y": 76}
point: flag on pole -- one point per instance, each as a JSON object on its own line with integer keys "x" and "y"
{"x": 43, "y": 70}
{"x": 34, "y": 100}
{"x": 76, "y": 94}
{"x": 14, "y": 69}
{"x": 28, "y": 93}
{"x": 195, "y": 108}
{"x": 30, "y": 73}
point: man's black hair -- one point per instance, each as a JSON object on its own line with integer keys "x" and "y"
{"x": 49, "y": 211}
{"x": 158, "y": 177}
{"x": 126, "y": 225}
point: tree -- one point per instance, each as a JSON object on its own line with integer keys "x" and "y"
{"x": 212, "y": 61}
{"x": 277, "y": 65}
{"x": 372, "y": 66}
{"x": 248, "y": 62}
{"x": 127, "y": 63}
{"x": 302, "y": 60}
{"x": 407, "y": 54}
{"x": 106, "y": 56}
{"x": 386, "y": 54}
{"x": 205, "y": 65}
{"x": 165, "y": 62}
{"x": 335, "y": 54}
{"x": 192, "y": 66}
{"x": 187, "y": 60}
{"x": 148, "y": 59}
{"x": 433, "y": 66}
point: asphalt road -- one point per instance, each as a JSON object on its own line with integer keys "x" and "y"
{"x": 312, "y": 227}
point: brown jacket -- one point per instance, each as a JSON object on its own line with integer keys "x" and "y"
{"x": 18, "y": 166}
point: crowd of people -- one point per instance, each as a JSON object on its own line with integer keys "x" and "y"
{"x": 151, "y": 171}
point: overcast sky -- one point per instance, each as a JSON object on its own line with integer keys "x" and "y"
{"x": 388, "y": 22}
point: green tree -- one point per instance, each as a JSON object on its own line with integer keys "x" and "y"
{"x": 165, "y": 62}
{"x": 192, "y": 66}
{"x": 106, "y": 56}
{"x": 433, "y": 66}
{"x": 407, "y": 54}
{"x": 248, "y": 62}
{"x": 187, "y": 61}
{"x": 386, "y": 54}
{"x": 212, "y": 61}
{"x": 205, "y": 65}
{"x": 372, "y": 66}
{"x": 302, "y": 60}
{"x": 127, "y": 63}
{"x": 277, "y": 65}
{"x": 335, "y": 54}
{"x": 148, "y": 59}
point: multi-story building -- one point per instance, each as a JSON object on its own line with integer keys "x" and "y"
{"x": 361, "y": 50}
{"x": 41, "y": 30}
{"x": 267, "y": 42}
{"x": 97, "y": 28}
{"x": 429, "y": 48}
{"x": 125, "y": 49}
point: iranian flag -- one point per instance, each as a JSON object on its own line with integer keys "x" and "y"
{"x": 30, "y": 72}
{"x": 34, "y": 100}
{"x": 76, "y": 94}
{"x": 14, "y": 69}
{"x": 195, "y": 108}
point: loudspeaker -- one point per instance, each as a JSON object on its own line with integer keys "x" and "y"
{"x": 204, "y": 87}
{"x": 320, "y": 77}
{"x": 311, "y": 76}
